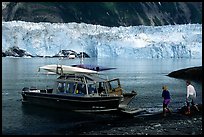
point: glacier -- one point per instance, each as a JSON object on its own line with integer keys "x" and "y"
{"x": 47, "y": 39}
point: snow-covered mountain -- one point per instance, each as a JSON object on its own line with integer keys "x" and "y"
{"x": 47, "y": 39}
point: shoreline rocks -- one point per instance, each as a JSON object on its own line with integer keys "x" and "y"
{"x": 192, "y": 73}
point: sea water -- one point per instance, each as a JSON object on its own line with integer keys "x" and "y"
{"x": 145, "y": 76}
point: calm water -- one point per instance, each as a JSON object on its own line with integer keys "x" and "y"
{"x": 145, "y": 76}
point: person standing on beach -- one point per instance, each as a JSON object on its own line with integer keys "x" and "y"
{"x": 190, "y": 97}
{"x": 166, "y": 101}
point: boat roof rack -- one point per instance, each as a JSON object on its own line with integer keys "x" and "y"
{"x": 81, "y": 76}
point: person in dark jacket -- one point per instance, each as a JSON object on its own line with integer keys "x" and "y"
{"x": 166, "y": 101}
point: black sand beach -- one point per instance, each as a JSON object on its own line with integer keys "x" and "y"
{"x": 172, "y": 124}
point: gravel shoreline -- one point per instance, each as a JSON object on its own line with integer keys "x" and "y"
{"x": 173, "y": 124}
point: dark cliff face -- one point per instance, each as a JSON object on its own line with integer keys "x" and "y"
{"x": 105, "y": 13}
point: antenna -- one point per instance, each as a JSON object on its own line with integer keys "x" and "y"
{"x": 82, "y": 58}
{"x": 82, "y": 55}
{"x": 59, "y": 63}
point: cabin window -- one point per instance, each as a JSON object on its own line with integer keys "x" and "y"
{"x": 70, "y": 88}
{"x": 61, "y": 87}
{"x": 92, "y": 89}
{"x": 101, "y": 88}
{"x": 113, "y": 85}
{"x": 81, "y": 89}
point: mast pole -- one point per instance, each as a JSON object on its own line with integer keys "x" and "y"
{"x": 82, "y": 55}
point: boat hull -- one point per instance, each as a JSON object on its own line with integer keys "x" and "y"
{"x": 73, "y": 102}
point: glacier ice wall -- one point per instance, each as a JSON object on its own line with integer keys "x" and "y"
{"x": 47, "y": 39}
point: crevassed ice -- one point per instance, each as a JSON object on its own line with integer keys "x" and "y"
{"x": 47, "y": 39}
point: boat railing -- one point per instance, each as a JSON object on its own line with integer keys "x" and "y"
{"x": 34, "y": 89}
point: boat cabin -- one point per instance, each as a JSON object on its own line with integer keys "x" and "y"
{"x": 87, "y": 85}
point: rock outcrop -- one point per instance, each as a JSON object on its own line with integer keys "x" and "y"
{"x": 193, "y": 73}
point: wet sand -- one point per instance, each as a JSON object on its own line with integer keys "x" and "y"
{"x": 172, "y": 124}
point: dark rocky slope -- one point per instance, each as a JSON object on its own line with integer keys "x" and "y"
{"x": 105, "y": 13}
